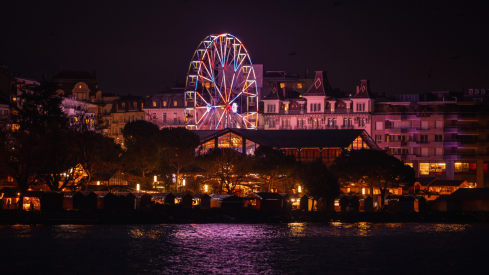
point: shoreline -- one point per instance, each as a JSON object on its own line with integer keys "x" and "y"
{"x": 222, "y": 215}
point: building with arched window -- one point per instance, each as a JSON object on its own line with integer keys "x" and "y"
{"x": 303, "y": 144}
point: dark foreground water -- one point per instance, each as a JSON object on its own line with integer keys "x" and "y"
{"x": 296, "y": 248}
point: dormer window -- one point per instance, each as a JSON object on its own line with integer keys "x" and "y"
{"x": 154, "y": 104}
{"x": 175, "y": 103}
{"x": 270, "y": 108}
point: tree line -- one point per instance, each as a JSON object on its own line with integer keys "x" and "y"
{"x": 40, "y": 145}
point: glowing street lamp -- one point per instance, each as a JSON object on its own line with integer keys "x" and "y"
{"x": 155, "y": 179}
{"x": 299, "y": 189}
{"x": 137, "y": 186}
{"x": 98, "y": 182}
{"x": 183, "y": 182}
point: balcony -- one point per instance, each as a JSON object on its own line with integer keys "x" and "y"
{"x": 451, "y": 143}
{"x": 467, "y": 117}
{"x": 452, "y": 117}
{"x": 467, "y": 131}
{"x": 433, "y": 157}
{"x": 393, "y": 117}
{"x": 291, "y": 112}
{"x": 451, "y": 129}
{"x": 395, "y": 144}
{"x": 452, "y": 157}
{"x": 424, "y": 130}
{"x": 465, "y": 144}
{"x": 408, "y": 130}
{"x": 405, "y": 156}
{"x": 389, "y": 130}
{"x": 412, "y": 143}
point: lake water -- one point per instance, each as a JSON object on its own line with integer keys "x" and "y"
{"x": 295, "y": 248}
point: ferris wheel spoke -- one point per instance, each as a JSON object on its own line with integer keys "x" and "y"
{"x": 202, "y": 98}
{"x": 217, "y": 126}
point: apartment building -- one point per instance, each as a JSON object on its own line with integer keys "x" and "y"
{"x": 440, "y": 134}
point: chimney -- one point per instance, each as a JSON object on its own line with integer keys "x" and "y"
{"x": 94, "y": 74}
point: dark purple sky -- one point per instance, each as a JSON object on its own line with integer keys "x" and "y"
{"x": 140, "y": 47}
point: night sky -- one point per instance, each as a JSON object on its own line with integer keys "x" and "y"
{"x": 140, "y": 47}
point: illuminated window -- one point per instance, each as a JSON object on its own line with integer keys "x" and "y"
{"x": 299, "y": 85}
{"x": 14, "y": 99}
{"x": 175, "y": 103}
{"x": 154, "y": 104}
{"x": 76, "y": 119}
{"x": 465, "y": 168}
{"x": 282, "y": 85}
{"x": 80, "y": 87}
{"x": 432, "y": 168}
{"x": 409, "y": 164}
{"x": 164, "y": 103}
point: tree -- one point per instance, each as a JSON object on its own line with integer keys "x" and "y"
{"x": 226, "y": 166}
{"x": 178, "y": 149}
{"x": 23, "y": 134}
{"x": 317, "y": 180}
{"x": 96, "y": 152}
{"x": 143, "y": 149}
{"x": 375, "y": 168}
{"x": 273, "y": 165}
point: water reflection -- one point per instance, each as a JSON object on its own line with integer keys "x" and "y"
{"x": 332, "y": 248}
{"x": 70, "y": 231}
{"x": 22, "y": 231}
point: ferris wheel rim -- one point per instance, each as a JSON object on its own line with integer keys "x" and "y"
{"x": 249, "y": 90}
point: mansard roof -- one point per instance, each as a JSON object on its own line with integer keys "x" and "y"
{"x": 275, "y": 93}
{"x": 364, "y": 90}
{"x": 320, "y": 86}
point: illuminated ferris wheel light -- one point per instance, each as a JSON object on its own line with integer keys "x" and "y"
{"x": 220, "y": 82}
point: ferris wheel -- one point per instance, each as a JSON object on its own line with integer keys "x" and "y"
{"x": 221, "y": 89}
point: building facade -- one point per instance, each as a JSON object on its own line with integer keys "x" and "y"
{"x": 166, "y": 109}
{"x": 440, "y": 134}
{"x": 118, "y": 112}
{"x": 318, "y": 107}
